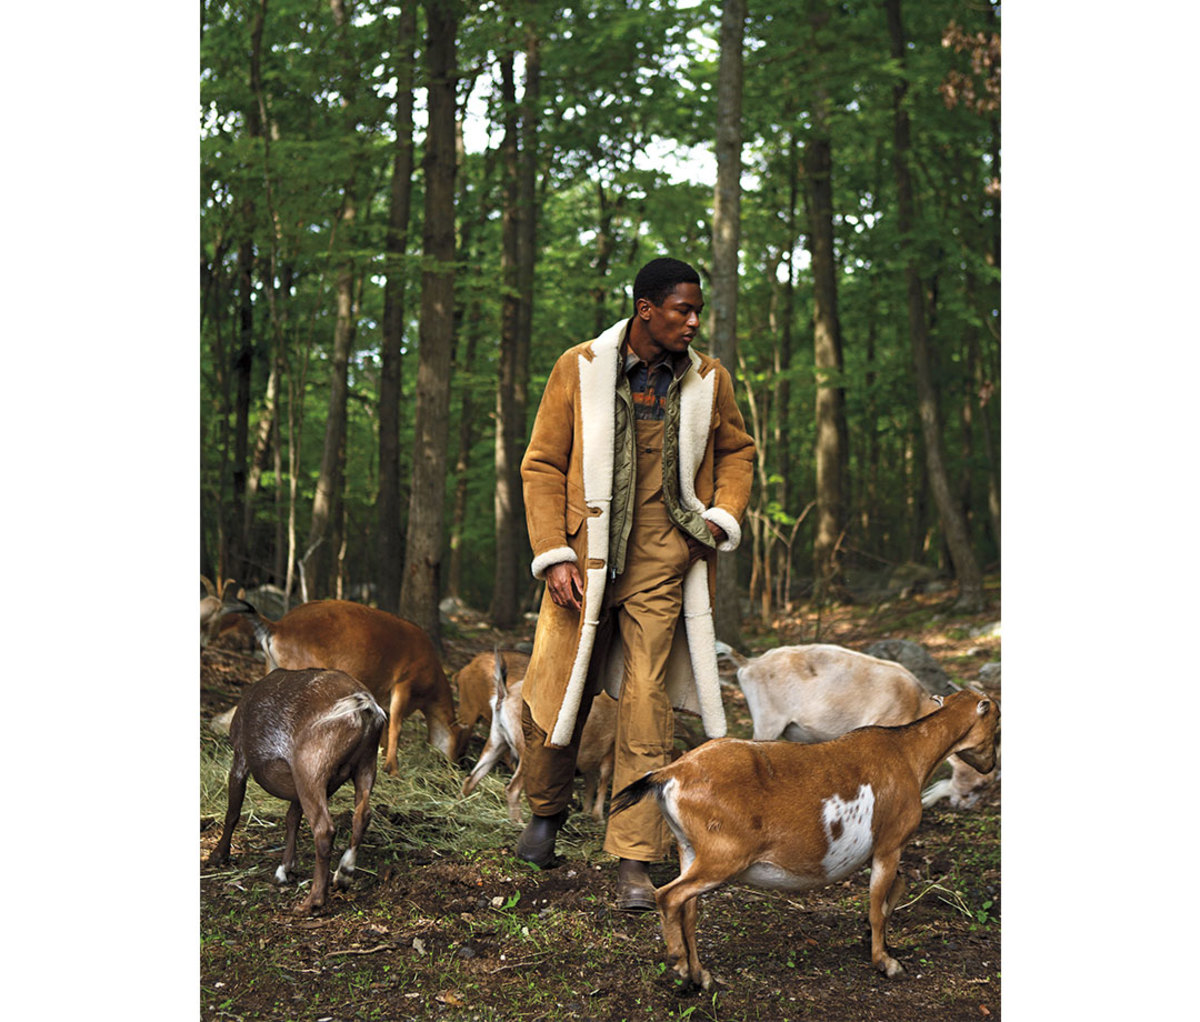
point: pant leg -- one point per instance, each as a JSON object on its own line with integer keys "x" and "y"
{"x": 645, "y": 737}
{"x": 549, "y": 773}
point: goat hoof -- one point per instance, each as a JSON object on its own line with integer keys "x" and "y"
{"x": 890, "y": 967}
{"x": 281, "y": 875}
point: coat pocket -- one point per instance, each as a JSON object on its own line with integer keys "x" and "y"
{"x": 576, "y": 509}
{"x": 575, "y": 518}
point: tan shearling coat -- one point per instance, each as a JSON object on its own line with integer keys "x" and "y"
{"x": 567, "y": 473}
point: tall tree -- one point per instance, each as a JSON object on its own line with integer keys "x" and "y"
{"x": 325, "y": 529}
{"x": 966, "y": 568}
{"x": 726, "y": 233}
{"x": 423, "y": 549}
{"x": 831, "y": 453}
{"x": 519, "y": 255}
{"x": 388, "y": 505}
{"x": 505, "y": 604}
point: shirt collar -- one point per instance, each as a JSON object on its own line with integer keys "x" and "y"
{"x": 677, "y": 363}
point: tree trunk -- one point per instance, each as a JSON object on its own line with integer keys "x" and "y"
{"x": 726, "y": 231}
{"x": 391, "y": 538}
{"x": 505, "y": 598}
{"x": 235, "y": 560}
{"x": 423, "y": 550}
{"x": 472, "y": 321}
{"x": 324, "y": 534}
{"x": 831, "y": 453}
{"x": 966, "y": 570}
{"x": 783, "y": 364}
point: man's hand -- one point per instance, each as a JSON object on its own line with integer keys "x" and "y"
{"x": 565, "y": 584}
{"x": 718, "y": 533}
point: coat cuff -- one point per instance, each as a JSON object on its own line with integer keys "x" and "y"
{"x": 733, "y": 531}
{"x": 551, "y": 558}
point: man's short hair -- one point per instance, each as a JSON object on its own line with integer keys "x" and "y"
{"x": 657, "y": 279}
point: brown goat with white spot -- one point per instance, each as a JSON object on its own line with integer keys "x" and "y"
{"x": 798, "y": 817}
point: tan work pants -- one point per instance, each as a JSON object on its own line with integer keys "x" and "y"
{"x": 647, "y": 599}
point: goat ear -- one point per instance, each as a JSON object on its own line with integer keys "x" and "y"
{"x": 983, "y": 707}
{"x": 938, "y": 699}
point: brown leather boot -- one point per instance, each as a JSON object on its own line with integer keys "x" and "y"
{"x": 635, "y": 892}
{"x": 537, "y": 839}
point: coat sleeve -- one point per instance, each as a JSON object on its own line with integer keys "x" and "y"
{"x": 733, "y": 463}
{"x": 544, "y": 469}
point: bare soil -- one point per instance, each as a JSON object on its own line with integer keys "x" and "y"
{"x": 441, "y": 932}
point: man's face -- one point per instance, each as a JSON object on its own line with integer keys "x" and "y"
{"x": 673, "y": 325}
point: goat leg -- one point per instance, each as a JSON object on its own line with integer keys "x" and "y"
{"x": 397, "y": 711}
{"x": 238, "y": 774}
{"x": 291, "y": 830}
{"x": 886, "y": 888}
{"x": 364, "y": 778}
{"x": 317, "y": 811}
{"x": 678, "y": 910}
{"x": 602, "y": 785}
{"x": 487, "y": 759}
{"x": 512, "y": 792}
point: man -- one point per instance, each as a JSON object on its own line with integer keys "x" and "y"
{"x": 638, "y": 470}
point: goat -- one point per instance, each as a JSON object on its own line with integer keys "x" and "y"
{"x": 817, "y": 692}
{"x": 475, "y": 687}
{"x": 392, "y": 657}
{"x": 302, "y": 735}
{"x": 798, "y": 817}
{"x": 212, "y": 608}
{"x": 596, "y": 745}
{"x": 964, "y": 786}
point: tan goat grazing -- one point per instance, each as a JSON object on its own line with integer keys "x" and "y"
{"x": 475, "y": 687}
{"x": 211, "y": 608}
{"x": 596, "y": 746}
{"x": 812, "y": 693}
{"x": 392, "y": 657}
{"x": 798, "y": 817}
{"x": 302, "y": 735}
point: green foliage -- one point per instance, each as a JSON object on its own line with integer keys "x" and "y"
{"x": 627, "y": 107}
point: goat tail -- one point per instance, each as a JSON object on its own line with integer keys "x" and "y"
{"x": 360, "y": 705}
{"x": 727, "y": 652}
{"x": 632, "y": 794}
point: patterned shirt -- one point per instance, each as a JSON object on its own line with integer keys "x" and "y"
{"x": 649, "y": 383}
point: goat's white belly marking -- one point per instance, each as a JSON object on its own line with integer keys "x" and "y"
{"x": 847, "y": 832}
{"x": 776, "y": 878}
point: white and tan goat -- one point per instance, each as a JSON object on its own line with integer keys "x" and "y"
{"x": 797, "y": 817}
{"x": 392, "y": 657}
{"x": 816, "y": 692}
{"x": 302, "y": 735}
{"x": 596, "y": 745}
{"x": 476, "y": 686}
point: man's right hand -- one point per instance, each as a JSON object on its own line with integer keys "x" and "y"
{"x": 565, "y": 584}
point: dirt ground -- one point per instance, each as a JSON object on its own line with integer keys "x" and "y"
{"x": 429, "y": 930}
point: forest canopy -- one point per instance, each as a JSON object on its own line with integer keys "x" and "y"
{"x": 407, "y": 211}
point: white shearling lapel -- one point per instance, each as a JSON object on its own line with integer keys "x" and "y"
{"x": 597, "y": 400}
{"x": 695, "y": 425}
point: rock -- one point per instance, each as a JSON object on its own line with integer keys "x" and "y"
{"x": 989, "y": 631}
{"x": 917, "y": 659}
{"x": 989, "y": 673}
